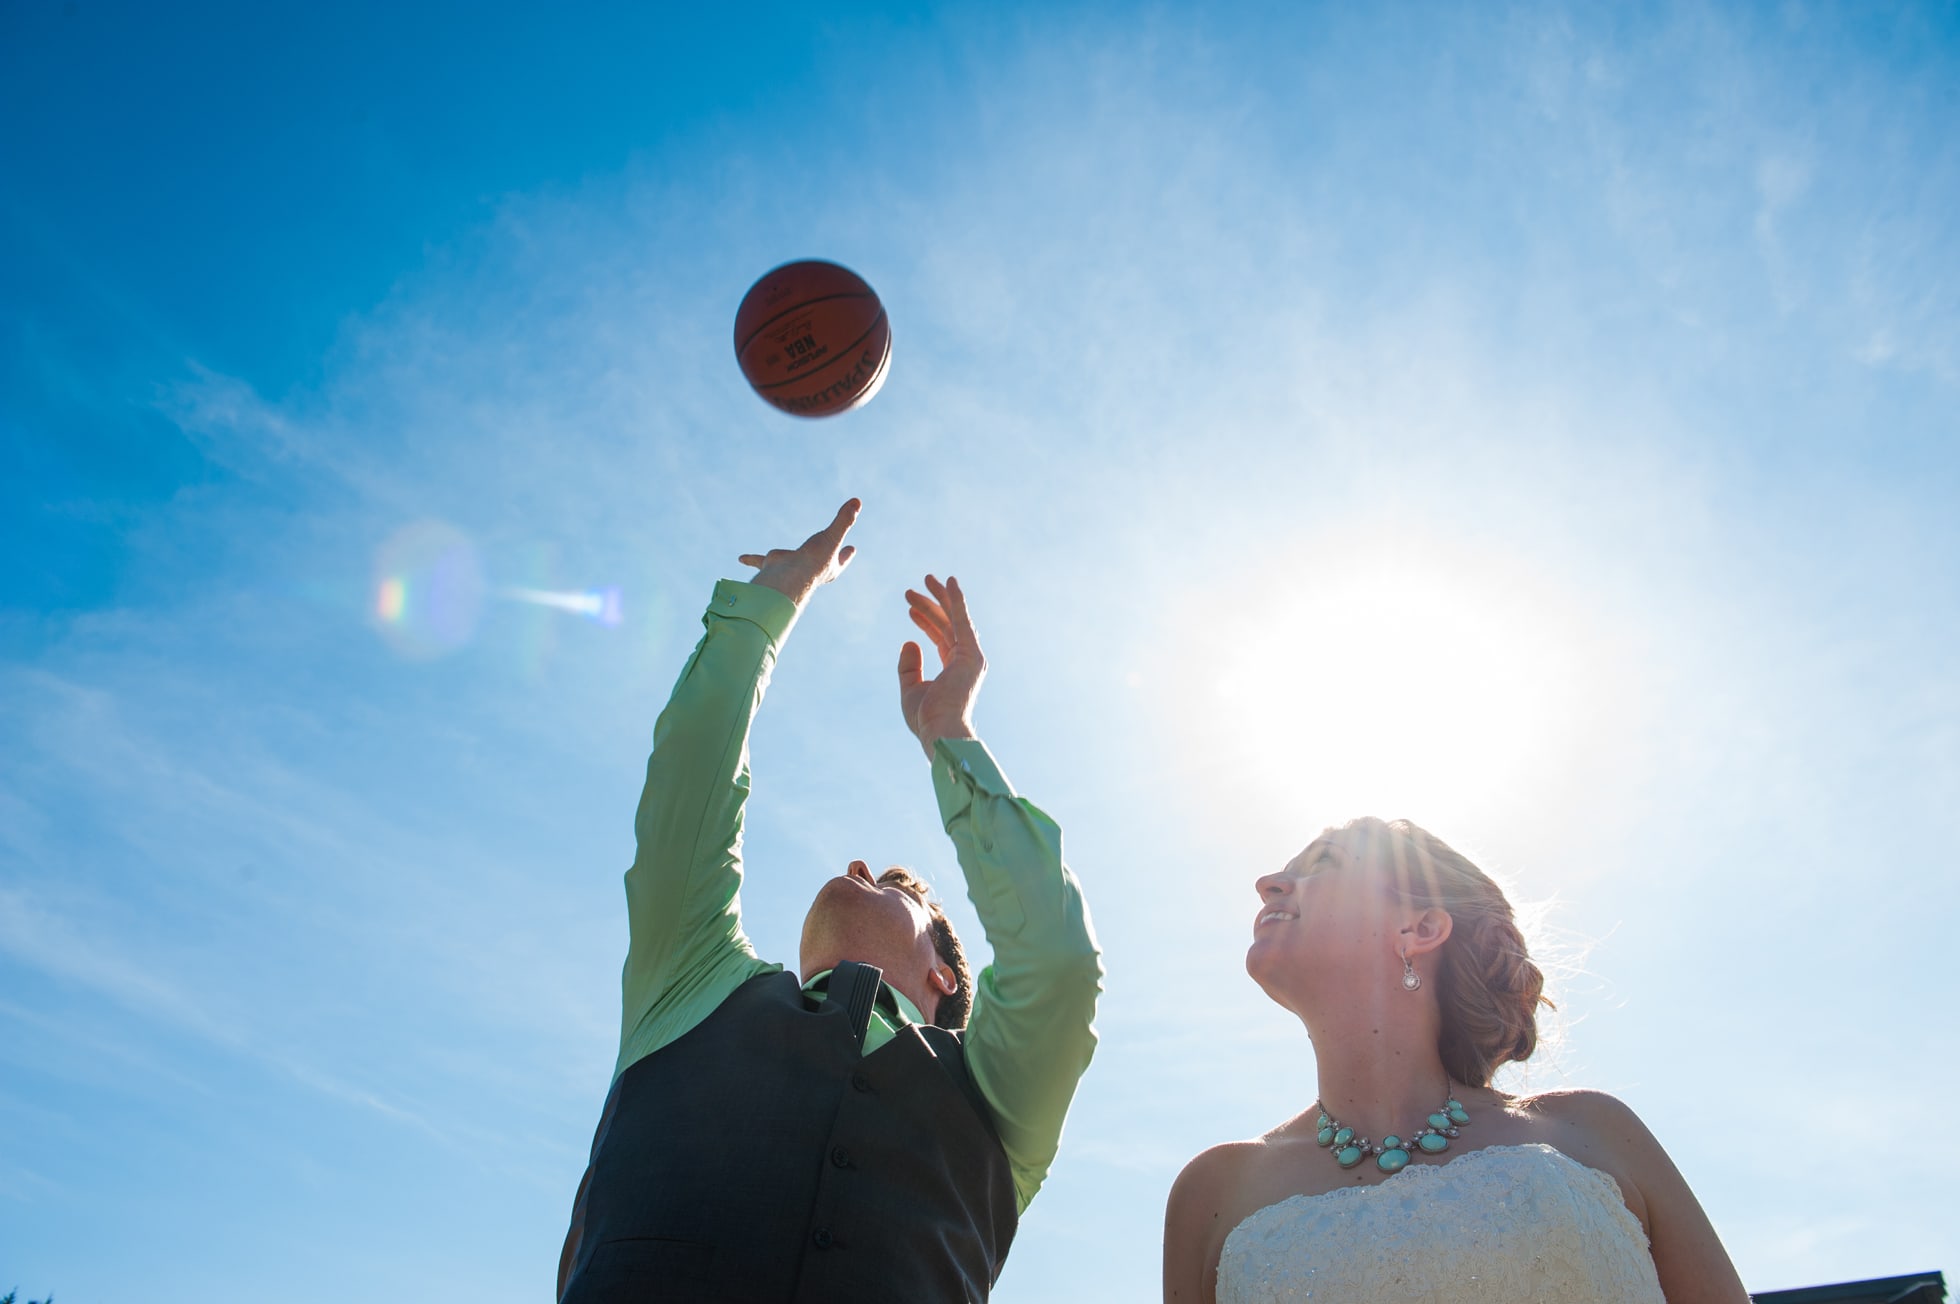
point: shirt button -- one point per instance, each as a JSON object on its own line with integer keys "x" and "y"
{"x": 840, "y": 1157}
{"x": 986, "y": 844}
{"x": 860, "y": 1083}
{"x": 822, "y": 1238}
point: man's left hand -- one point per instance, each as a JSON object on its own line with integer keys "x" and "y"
{"x": 941, "y": 707}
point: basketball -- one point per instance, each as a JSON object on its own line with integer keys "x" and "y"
{"x": 812, "y": 339}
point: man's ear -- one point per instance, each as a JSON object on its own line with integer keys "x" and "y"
{"x": 1426, "y": 932}
{"x": 942, "y": 979}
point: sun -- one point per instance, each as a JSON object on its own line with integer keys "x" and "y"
{"x": 1431, "y": 684}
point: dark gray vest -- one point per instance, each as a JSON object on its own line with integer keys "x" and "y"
{"x": 762, "y": 1159}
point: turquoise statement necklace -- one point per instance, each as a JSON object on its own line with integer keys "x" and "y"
{"x": 1393, "y": 1153}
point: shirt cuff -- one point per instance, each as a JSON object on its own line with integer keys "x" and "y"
{"x": 960, "y": 768}
{"x": 758, "y": 604}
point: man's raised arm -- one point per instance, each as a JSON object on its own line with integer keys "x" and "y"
{"x": 1032, "y": 1031}
{"x": 687, "y": 948}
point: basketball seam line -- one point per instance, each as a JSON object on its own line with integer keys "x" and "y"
{"x": 742, "y": 346}
{"x": 842, "y": 353}
{"x": 871, "y": 386}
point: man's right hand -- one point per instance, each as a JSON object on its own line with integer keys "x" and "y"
{"x": 796, "y": 572}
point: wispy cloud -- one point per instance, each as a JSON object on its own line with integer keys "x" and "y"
{"x": 36, "y": 936}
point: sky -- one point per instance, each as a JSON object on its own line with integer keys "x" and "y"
{"x": 1537, "y": 421}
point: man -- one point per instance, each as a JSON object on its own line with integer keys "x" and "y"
{"x": 855, "y": 1135}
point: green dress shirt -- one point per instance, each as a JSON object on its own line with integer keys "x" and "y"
{"x": 1031, "y": 1032}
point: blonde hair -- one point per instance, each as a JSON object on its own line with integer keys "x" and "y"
{"x": 1487, "y": 986}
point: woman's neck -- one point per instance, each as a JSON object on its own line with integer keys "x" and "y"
{"x": 1379, "y": 1075}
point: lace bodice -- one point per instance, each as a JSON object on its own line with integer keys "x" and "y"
{"x": 1502, "y": 1225}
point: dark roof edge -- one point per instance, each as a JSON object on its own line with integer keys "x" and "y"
{"x": 1886, "y": 1289}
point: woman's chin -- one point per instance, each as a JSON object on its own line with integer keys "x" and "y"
{"x": 1262, "y": 965}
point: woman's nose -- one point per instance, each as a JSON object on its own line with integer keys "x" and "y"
{"x": 861, "y": 870}
{"x": 1273, "y": 885}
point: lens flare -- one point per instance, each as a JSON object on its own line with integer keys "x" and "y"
{"x": 391, "y": 599}
{"x": 428, "y": 590}
{"x": 601, "y": 605}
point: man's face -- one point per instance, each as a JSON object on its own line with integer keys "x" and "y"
{"x": 855, "y": 917}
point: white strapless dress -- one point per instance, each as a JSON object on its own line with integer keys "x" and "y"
{"x": 1502, "y": 1225}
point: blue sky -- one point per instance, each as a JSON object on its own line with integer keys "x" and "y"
{"x": 1538, "y": 423}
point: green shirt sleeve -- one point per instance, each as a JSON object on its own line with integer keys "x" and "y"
{"x": 1032, "y": 1030}
{"x": 683, "y": 893}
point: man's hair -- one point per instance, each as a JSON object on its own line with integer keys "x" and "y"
{"x": 953, "y": 1009}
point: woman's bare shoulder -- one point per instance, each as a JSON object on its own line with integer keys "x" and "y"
{"x": 1605, "y": 1132}
{"x": 1216, "y": 1190}
{"x": 1603, "y": 1117}
{"x": 1214, "y": 1172}
{"x": 1600, "y": 1131}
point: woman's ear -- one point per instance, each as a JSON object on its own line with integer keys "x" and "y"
{"x": 1426, "y": 932}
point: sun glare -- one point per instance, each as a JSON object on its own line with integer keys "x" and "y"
{"x": 1418, "y": 688}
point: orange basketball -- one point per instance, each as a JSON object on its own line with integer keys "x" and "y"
{"x": 812, "y": 339}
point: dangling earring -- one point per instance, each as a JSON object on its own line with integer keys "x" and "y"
{"x": 1410, "y": 982}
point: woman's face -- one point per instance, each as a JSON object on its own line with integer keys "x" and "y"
{"x": 1325, "y": 921}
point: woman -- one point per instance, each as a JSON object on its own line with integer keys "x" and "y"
{"x": 1410, "y": 1178}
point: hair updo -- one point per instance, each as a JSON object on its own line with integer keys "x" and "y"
{"x": 1487, "y": 987}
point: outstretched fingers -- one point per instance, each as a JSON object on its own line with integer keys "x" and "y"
{"x": 821, "y": 558}
{"x": 953, "y": 599}
{"x": 911, "y": 667}
{"x": 931, "y": 618}
{"x": 941, "y": 707}
{"x": 757, "y": 560}
{"x": 831, "y": 536}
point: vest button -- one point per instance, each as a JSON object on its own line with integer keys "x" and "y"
{"x": 841, "y": 1157}
{"x": 860, "y": 1083}
{"x": 822, "y": 1238}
